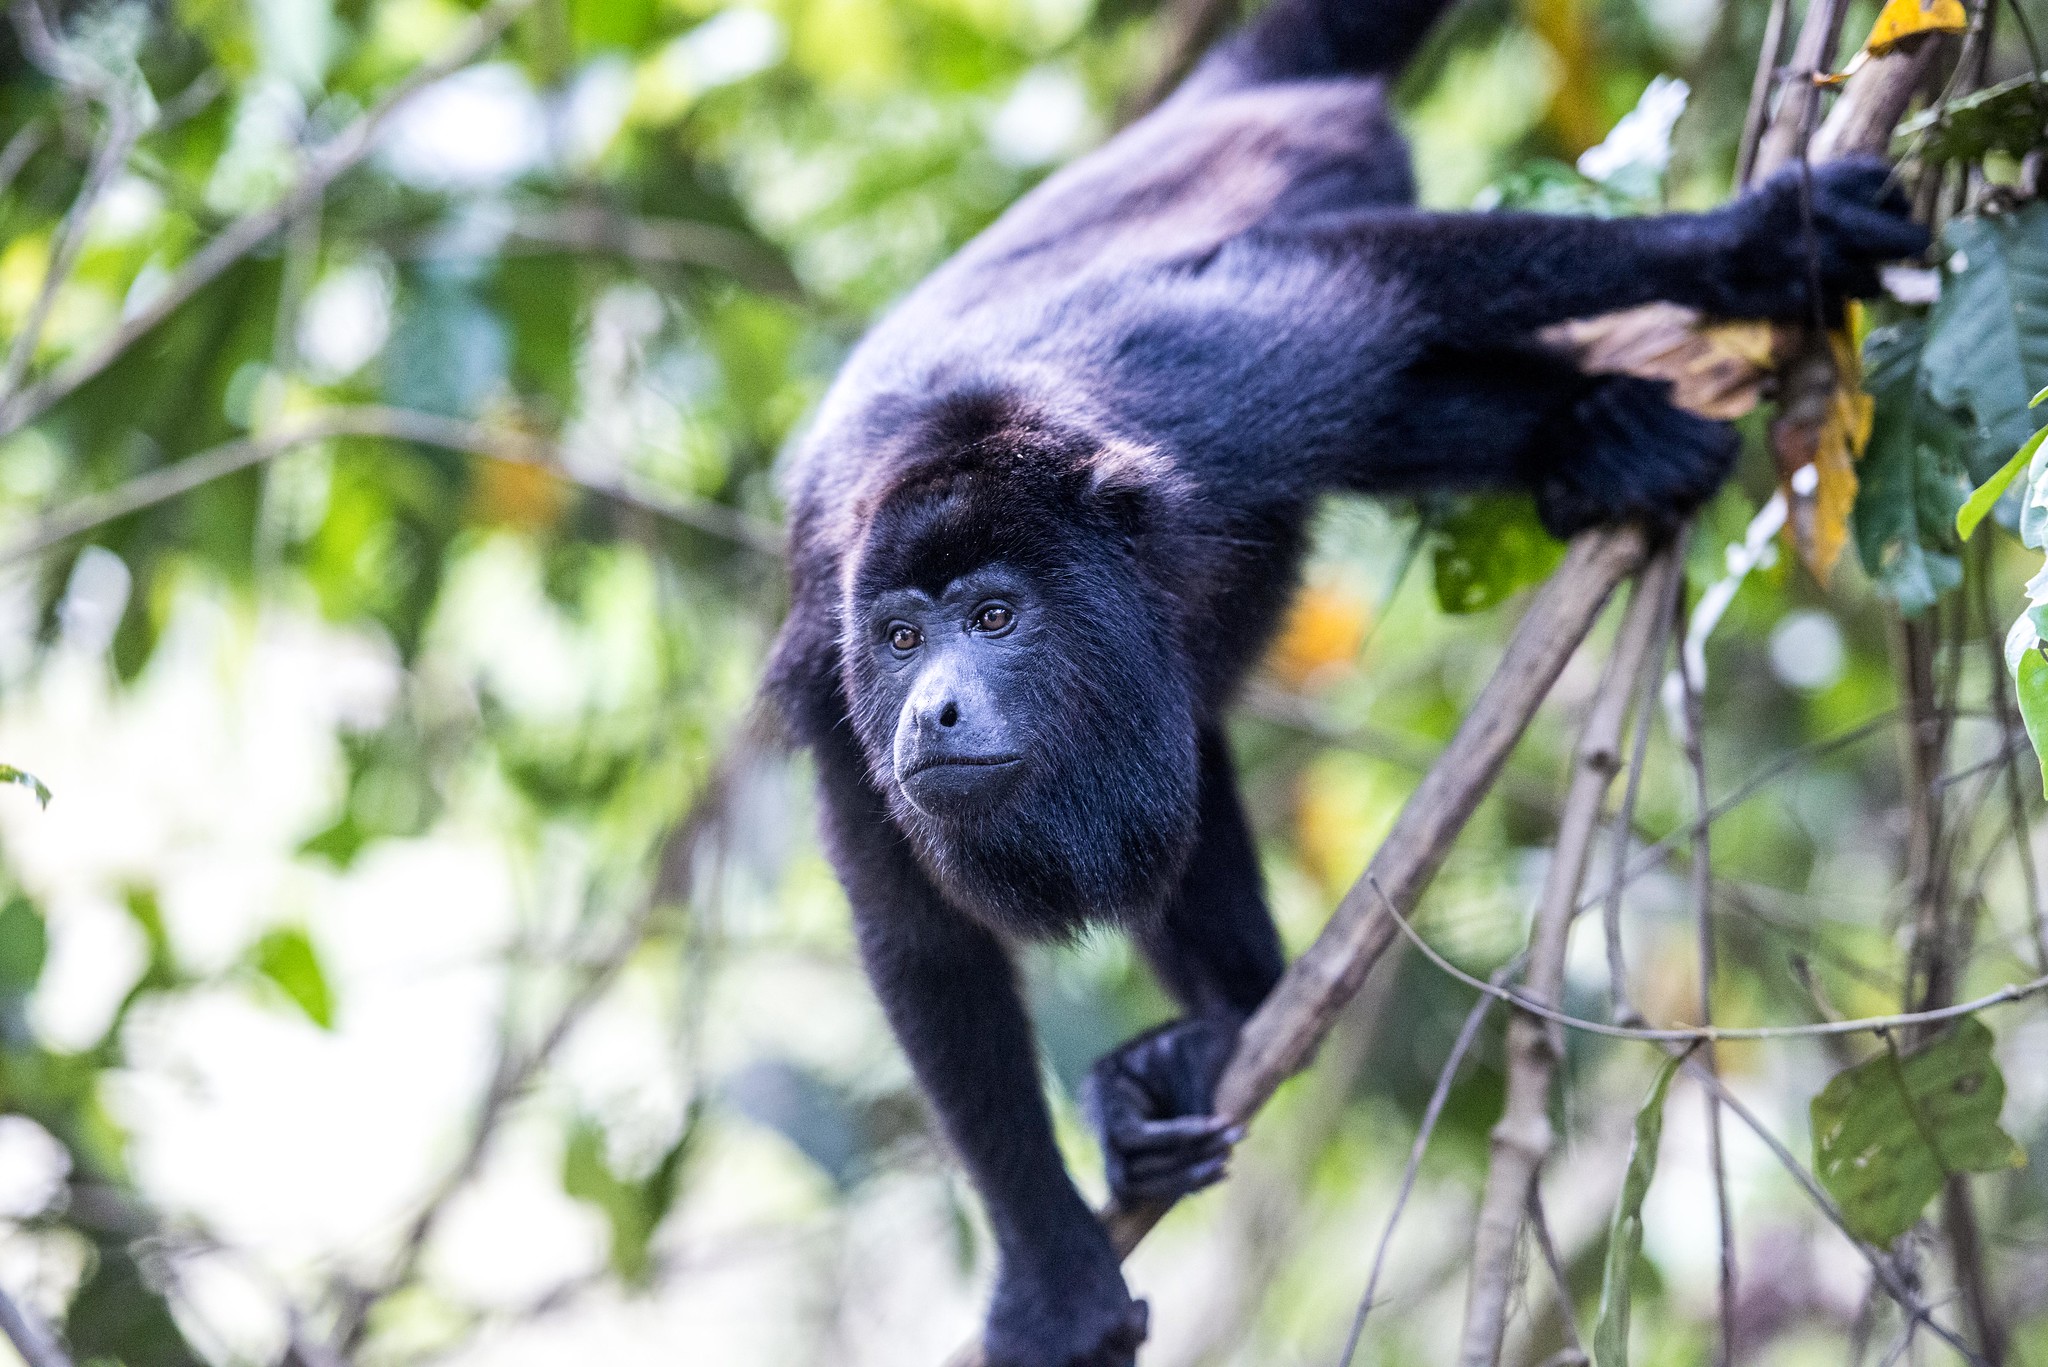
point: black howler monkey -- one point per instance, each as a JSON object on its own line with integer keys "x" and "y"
{"x": 1053, "y": 509}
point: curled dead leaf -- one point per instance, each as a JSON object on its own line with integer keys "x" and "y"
{"x": 1717, "y": 369}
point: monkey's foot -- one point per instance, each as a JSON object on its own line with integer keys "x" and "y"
{"x": 1151, "y": 1102}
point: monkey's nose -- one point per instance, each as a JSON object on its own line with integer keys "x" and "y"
{"x": 949, "y": 715}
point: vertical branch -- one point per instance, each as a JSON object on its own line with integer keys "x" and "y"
{"x": 1521, "y": 1140}
{"x": 29, "y": 1336}
{"x": 1812, "y": 54}
{"x": 1703, "y": 925}
{"x": 1760, "y": 89}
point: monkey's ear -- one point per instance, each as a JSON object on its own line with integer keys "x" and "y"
{"x": 1133, "y": 485}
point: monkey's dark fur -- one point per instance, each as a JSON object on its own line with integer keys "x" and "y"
{"x": 1053, "y": 509}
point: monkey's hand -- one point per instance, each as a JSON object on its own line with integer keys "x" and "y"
{"x": 1151, "y": 1102}
{"x": 1830, "y": 226}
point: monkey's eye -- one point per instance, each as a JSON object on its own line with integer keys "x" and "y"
{"x": 994, "y": 619}
{"x": 905, "y": 637}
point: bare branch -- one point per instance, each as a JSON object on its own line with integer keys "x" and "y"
{"x": 1760, "y": 88}
{"x": 1521, "y": 1140}
{"x": 342, "y": 154}
{"x": 1703, "y": 926}
{"x": 399, "y": 424}
{"x": 1574, "y": 1350}
{"x": 1468, "y": 1035}
{"x": 30, "y": 1337}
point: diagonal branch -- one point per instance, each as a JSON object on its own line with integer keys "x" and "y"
{"x": 343, "y": 154}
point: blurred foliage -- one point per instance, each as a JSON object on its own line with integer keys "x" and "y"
{"x": 369, "y": 756}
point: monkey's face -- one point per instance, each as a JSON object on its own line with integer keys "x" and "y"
{"x": 955, "y": 670}
{"x": 1021, "y": 694}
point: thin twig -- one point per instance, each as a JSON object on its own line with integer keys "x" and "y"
{"x": 1653, "y": 854}
{"x": 1765, "y": 80}
{"x": 399, "y": 424}
{"x": 1468, "y": 1035}
{"x": 329, "y": 163}
{"x": 1861, "y": 1025}
{"x": 26, "y": 142}
{"x": 1703, "y": 928}
{"x": 1574, "y": 1350}
{"x": 1619, "y": 1003}
{"x": 1521, "y": 1140}
{"x": 36, "y": 1344}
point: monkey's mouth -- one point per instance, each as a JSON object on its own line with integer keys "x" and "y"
{"x": 961, "y": 761}
{"x": 960, "y": 785}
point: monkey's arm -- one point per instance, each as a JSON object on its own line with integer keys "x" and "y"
{"x": 1490, "y": 277}
{"x": 948, "y": 988}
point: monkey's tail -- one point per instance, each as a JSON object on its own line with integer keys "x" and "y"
{"x": 1308, "y": 38}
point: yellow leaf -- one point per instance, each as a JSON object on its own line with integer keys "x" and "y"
{"x": 1323, "y": 633}
{"x": 1902, "y": 19}
{"x": 1818, "y": 438}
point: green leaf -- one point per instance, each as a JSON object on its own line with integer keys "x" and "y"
{"x": 1625, "y": 1235}
{"x": 23, "y": 778}
{"x": 24, "y": 944}
{"x": 2030, "y": 678}
{"x": 632, "y": 1208}
{"x": 1978, "y": 506}
{"x": 1987, "y": 342}
{"x": 2001, "y": 118}
{"x": 287, "y": 957}
{"x": 1489, "y": 548}
{"x": 1911, "y": 477}
{"x": 1889, "y": 1132}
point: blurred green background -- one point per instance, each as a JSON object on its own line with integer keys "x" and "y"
{"x": 423, "y": 960}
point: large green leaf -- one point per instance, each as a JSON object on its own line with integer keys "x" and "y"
{"x": 2030, "y": 678}
{"x": 1912, "y": 477}
{"x": 1486, "y": 549}
{"x": 1889, "y": 1132}
{"x": 1625, "y": 1235}
{"x": 1987, "y": 343}
{"x": 1985, "y": 496}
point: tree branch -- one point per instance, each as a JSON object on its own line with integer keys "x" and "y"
{"x": 1521, "y": 1140}
{"x": 398, "y": 424}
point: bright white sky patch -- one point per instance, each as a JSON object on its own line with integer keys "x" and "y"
{"x": 1045, "y": 118}
{"x": 346, "y": 320}
{"x": 479, "y": 129}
